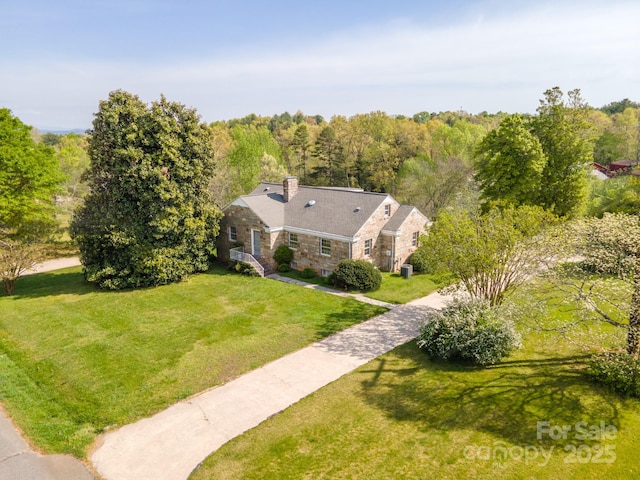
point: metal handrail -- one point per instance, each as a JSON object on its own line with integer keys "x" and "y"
{"x": 239, "y": 254}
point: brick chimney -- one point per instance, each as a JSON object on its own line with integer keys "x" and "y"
{"x": 290, "y": 186}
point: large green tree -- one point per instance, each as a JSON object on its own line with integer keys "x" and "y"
{"x": 510, "y": 164}
{"x": 148, "y": 218}
{"x": 29, "y": 178}
{"x": 564, "y": 133}
{"x": 251, "y": 144}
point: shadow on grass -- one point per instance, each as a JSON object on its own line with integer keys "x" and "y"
{"x": 505, "y": 400}
{"x": 353, "y": 312}
{"x": 69, "y": 281}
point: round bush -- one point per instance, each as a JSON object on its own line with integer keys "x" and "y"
{"x": 420, "y": 261}
{"x": 617, "y": 370}
{"x": 284, "y": 268}
{"x": 307, "y": 273}
{"x": 357, "y": 275}
{"x": 468, "y": 330}
{"x": 283, "y": 255}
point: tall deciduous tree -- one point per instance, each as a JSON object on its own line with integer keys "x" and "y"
{"x": 301, "y": 144}
{"x": 563, "y": 131}
{"x": 245, "y": 158}
{"x": 148, "y": 218}
{"x": 510, "y": 164}
{"x": 432, "y": 185}
{"x": 490, "y": 254}
{"x": 29, "y": 178}
{"x": 71, "y": 151}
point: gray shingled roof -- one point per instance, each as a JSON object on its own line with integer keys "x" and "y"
{"x": 335, "y": 211}
{"x": 398, "y": 218}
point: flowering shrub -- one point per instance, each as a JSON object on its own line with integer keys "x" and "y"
{"x": 617, "y": 370}
{"x": 611, "y": 244}
{"x": 468, "y": 330}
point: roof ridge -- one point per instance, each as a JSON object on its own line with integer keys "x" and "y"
{"x": 342, "y": 189}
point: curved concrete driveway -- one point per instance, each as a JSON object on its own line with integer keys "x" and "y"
{"x": 169, "y": 445}
{"x": 17, "y": 460}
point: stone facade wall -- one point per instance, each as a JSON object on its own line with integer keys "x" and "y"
{"x": 307, "y": 254}
{"x": 404, "y": 243}
{"x": 371, "y": 231}
{"x": 244, "y": 220}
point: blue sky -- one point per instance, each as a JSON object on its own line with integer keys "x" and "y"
{"x": 227, "y": 59}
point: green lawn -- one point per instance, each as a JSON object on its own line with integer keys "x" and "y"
{"x": 403, "y": 416}
{"x": 75, "y": 360}
{"x": 394, "y": 288}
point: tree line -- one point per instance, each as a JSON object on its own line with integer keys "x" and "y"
{"x": 430, "y": 160}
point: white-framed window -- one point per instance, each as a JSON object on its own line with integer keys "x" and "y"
{"x": 325, "y": 247}
{"x": 233, "y": 234}
{"x": 415, "y": 239}
{"x": 325, "y": 273}
{"x": 367, "y": 247}
{"x": 293, "y": 240}
{"x": 387, "y": 210}
{"x": 294, "y": 264}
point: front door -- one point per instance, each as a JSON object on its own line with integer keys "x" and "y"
{"x": 255, "y": 243}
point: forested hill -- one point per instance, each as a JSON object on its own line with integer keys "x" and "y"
{"x": 425, "y": 160}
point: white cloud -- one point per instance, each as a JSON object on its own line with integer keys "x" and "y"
{"x": 491, "y": 63}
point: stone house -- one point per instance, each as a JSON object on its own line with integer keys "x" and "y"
{"x": 322, "y": 225}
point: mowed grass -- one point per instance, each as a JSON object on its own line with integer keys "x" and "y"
{"x": 403, "y": 416}
{"x": 75, "y": 360}
{"x": 396, "y": 289}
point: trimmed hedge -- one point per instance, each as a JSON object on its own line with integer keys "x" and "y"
{"x": 356, "y": 275}
{"x": 468, "y": 330}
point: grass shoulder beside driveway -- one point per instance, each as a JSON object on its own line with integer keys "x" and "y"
{"x": 75, "y": 360}
{"x": 404, "y": 416}
{"x": 394, "y": 288}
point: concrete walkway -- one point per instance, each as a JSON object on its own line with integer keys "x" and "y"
{"x": 18, "y": 461}
{"x": 56, "y": 264}
{"x": 169, "y": 445}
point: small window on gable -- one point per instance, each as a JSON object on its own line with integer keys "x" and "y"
{"x": 387, "y": 210}
{"x": 233, "y": 234}
{"x": 416, "y": 238}
{"x": 367, "y": 247}
{"x": 325, "y": 246}
{"x": 293, "y": 240}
